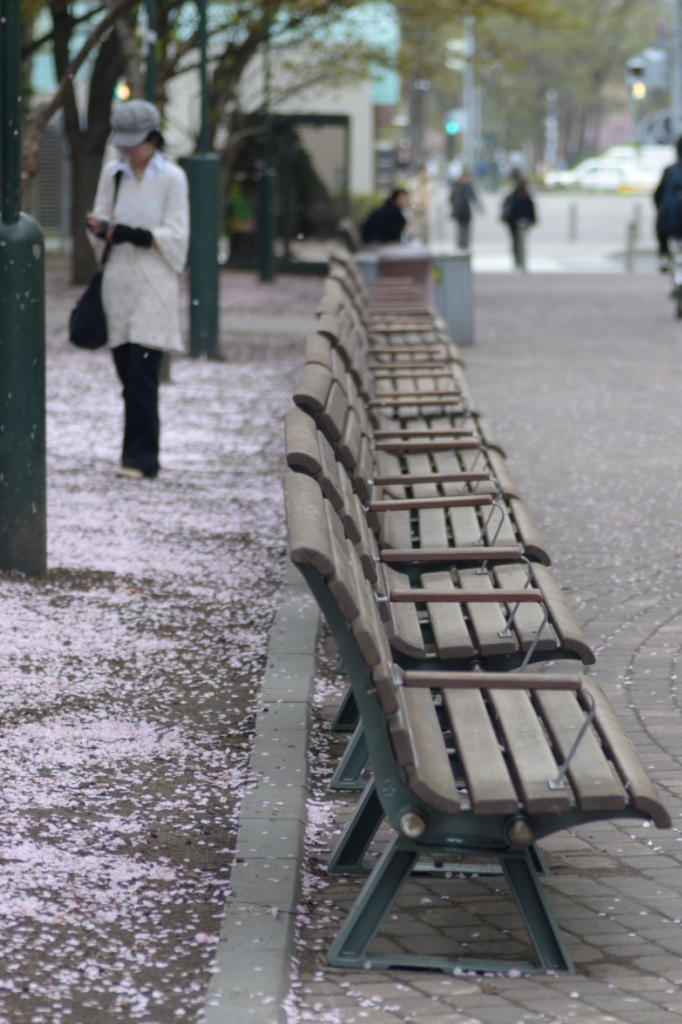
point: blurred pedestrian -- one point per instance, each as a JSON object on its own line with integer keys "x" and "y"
{"x": 518, "y": 213}
{"x": 142, "y": 214}
{"x": 668, "y": 200}
{"x": 387, "y": 222}
{"x": 462, "y": 196}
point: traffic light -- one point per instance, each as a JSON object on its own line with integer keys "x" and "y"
{"x": 635, "y": 77}
{"x": 455, "y": 122}
{"x": 646, "y": 74}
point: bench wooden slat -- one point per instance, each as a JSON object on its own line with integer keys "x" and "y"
{"x": 406, "y": 635}
{"x": 447, "y": 621}
{"x": 396, "y": 531}
{"x": 363, "y": 470}
{"x": 531, "y": 537}
{"x": 328, "y": 478}
{"x": 318, "y": 349}
{"x": 333, "y": 416}
{"x": 491, "y": 790}
{"x": 490, "y": 437}
{"x": 465, "y": 526}
{"x": 593, "y": 780}
{"x": 503, "y": 532}
{"x": 562, "y": 618}
{"x": 341, "y": 581}
{"x": 349, "y": 442}
{"x": 300, "y": 442}
{"x": 348, "y": 512}
{"x": 502, "y": 474}
{"x": 486, "y": 620}
{"x": 367, "y": 629}
{"x": 432, "y": 529}
{"x": 531, "y": 761}
{"x": 313, "y": 387}
{"x": 639, "y": 786}
{"x": 528, "y": 619}
{"x": 306, "y": 522}
{"x": 430, "y": 775}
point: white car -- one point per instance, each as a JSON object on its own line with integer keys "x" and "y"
{"x": 620, "y": 168}
{"x": 594, "y": 174}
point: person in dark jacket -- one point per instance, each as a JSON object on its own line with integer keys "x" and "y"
{"x": 387, "y": 222}
{"x": 462, "y": 196}
{"x": 666, "y": 197}
{"x": 518, "y": 213}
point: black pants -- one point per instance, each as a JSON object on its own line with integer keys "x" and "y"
{"x": 138, "y": 371}
{"x": 463, "y": 233}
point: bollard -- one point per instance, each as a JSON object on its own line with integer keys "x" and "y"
{"x": 573, "y": 222}
{"x": 631, "y": 239}
{"x": 637, "y": 220}
{"x": 23, "y": 517}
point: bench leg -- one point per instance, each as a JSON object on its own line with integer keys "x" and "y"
{"x": 378, "y": 895}
{"x": 538, "y": 860}
{"x": 537, "y": 916}
{"x": 350, "y": 948}
{"x": 347, "y": 716}
{"x": 349, "y": 853}
{"x": 348, "y": 774}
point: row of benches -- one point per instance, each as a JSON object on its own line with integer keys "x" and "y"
{"x": 467, "y": 685}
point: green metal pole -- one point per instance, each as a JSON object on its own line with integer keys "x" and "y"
{"x": 267, "y": 225}
{"x": 150, "y": 80}
{"x": 23, "y": 519}
{"x": 204, "y": 205}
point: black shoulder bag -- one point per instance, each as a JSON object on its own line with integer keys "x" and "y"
{"x": 88, "y": 324}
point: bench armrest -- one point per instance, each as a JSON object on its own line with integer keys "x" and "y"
{"x": 407, "y": 504}
{"x": 492, "y": 681}
{"x": 450, "y": 556}
{"x": 494, "y": 596}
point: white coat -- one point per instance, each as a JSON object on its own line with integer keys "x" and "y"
{"x": 140, "y": 286}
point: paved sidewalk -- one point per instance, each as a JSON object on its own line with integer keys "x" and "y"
{"x": 582, "y": 378}
{"x": 130, "y": 675}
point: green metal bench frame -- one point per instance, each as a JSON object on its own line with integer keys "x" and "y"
{"x": 464, "y": 834}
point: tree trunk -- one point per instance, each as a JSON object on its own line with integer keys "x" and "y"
{"x": 87, "y": 141}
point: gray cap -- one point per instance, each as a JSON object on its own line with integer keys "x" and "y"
{"x": 132, "y": 122}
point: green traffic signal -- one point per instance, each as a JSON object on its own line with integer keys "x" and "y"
{"x": 452, "y": 127}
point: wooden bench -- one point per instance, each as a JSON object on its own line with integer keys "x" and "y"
{"x": 465, "y": 662}
{"x": 465, "y": 762}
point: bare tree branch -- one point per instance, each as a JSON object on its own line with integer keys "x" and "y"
{"x": 30, "y": 48}
{"x": 40, "y": 117}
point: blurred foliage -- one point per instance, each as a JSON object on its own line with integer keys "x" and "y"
{"x": 584, "y": 62}
{"x": 362, "y": 204}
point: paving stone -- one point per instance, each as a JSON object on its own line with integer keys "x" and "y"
{"x": 575, "y": 346}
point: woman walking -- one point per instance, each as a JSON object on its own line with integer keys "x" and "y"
{"x": 141, "y": 211}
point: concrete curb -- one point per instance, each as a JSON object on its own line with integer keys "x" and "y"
{"x": 253, "y": 958}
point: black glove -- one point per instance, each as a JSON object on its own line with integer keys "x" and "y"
{"x": 138, "y": 236}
